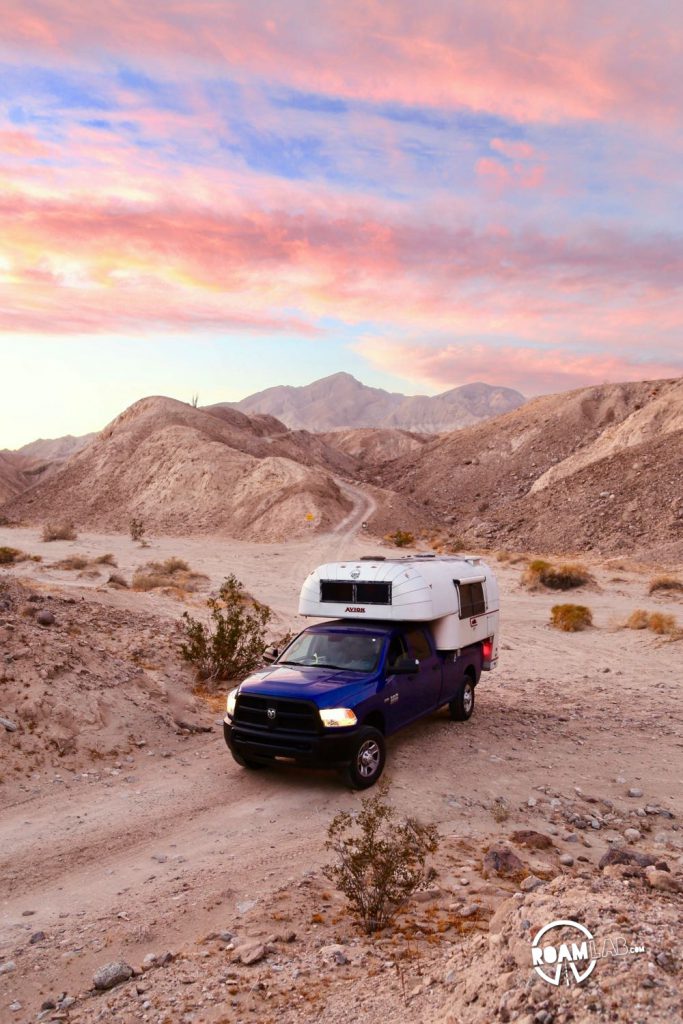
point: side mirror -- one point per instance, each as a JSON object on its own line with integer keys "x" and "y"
{"x": 270, "y": 655}
{"x": 405, "y": 666}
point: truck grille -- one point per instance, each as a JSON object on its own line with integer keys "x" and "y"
{"x": 275, "y": 714}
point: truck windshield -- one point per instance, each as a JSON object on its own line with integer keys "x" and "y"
{"x": 354, "y": 652}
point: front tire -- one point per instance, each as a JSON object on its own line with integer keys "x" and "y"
{"x": 367, "y": 759}
{"x": 462, "y": 705}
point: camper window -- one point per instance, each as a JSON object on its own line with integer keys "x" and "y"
{"x": 348, "y": 592}
{"x": 471, "y": 599}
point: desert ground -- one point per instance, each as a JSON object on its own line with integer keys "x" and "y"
{"x": 155, "y": 849}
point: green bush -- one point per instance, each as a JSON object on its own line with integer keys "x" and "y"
{"x": 9, "y": 555}
{"x": 232, "y": 644}
{"x": 137, "y": 529}
{"x": 380, "y": 862}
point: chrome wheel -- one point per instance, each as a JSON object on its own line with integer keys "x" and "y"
{"x": 468, "y": 698}
{"x": 368, "y": 758}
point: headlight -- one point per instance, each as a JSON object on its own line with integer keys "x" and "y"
{"x": 230, "y": 705}
{"x": 337, "y": 717}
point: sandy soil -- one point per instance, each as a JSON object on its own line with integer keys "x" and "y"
{"x": 177, "y": 842}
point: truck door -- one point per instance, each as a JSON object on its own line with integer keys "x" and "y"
{"x": 407, "y": 697}
{"x": 429, "y": 677}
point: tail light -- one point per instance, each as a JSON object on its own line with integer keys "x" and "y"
{"x": 487, "y": 653}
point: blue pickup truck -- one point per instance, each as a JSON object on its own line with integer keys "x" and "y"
{"x": 342, "y": 686}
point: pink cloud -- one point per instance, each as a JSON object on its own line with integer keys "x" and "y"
{"x": 17, "y": 143}
{"x": 532, "y": 62}
{"x": 531, "y": 370}
{"x": 139, "y": 261}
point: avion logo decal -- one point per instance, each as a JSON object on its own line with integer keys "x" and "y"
{"x": 350, "y": 608}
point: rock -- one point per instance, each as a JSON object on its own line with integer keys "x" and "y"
{"x": 48, "y": 1004}
{"x": 530, "y": 883}
{"x": 36, "y": 937}
{"x": 334, "y": 952}
{"x": 635, "y": 792}
{"x": 45, "y": 617}
{"x": 111, "y": 974}
{"x": 531, "y": 839}
{"x": 470, "y": 910}
{"x": 15, "y": 1006}
{"x": 566, "y": 860}
{"x": 663, "y": 880}
{"x": 9, "y": 726}
{"x": 66, "y": 1001}
{"x": 226, "y": 936}
{"x": 8, "y": 967}
{"x": 425, "y": 895}
{"x": 160, "y": 858}
{"x": 500, "y": 860}
{"x": 250, "y": 953}
{"x": 631, "y": 835}
{"x": 618, "y": 855}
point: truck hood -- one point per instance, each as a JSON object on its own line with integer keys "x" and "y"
{"x": 326, "y": 686}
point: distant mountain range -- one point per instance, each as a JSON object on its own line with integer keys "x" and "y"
{"x": 340, "y": 402}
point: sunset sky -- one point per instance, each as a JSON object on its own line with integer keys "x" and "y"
{"x": 217, "y": 197}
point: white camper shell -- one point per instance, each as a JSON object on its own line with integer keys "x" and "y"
{"x": 457, "y": 595}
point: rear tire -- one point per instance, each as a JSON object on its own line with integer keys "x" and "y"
{"x": 368, "y": 757}
{"x": 462, "y": 705}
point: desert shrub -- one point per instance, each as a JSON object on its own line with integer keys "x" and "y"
{"x": 669, "y": 583}
{"x": 401, "y": 538}
{"x": 566, "y": 577}
{"x": 136, "y": 528}
{"x": 73, "y": 562}
{"x": 500, "y": 810}
{"x": 8, "y": 556}
{"x": 59, "y": 531}
{"x": 638, "y": 619}
{"x": 117, "y": 580}
{"x": 570, "y": 617}
{"x": 173, "y": 572}
{"x": 107, "y": 559}
{"x": 660, "y": 623}
{"x": 380, "y": 861}
{"x": 232, "y": 644}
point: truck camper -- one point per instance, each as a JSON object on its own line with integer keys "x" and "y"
{"x": 401, "y": 638}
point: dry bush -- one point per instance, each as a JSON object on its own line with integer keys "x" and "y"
{"x": 668, "y": 583}
{"x": 401, "y": 538}
{"x": 380, "y": 861}
{"x": 117, "y": 580}
{"x": 540, "y": 573}
{"x": 639, "y": 619}
{"x": 571, "y": 618}
{"x": 173, "y": 572}
{"x": 137, "y": 529}
{"x": 59, "y": 531}
{"x": 9, "y": 556}
{"x": 72, "y": 562}
{"x": 232, "y": 645}
{"x": 500, "y": 810}
{"x": 658, "y": 622}
{"x": 663, "y": 624}
{"x": 107, "y": 559}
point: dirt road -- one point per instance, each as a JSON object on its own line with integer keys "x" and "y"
{"x": 160, "y": 848}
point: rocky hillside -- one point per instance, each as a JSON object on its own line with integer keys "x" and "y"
{"x": 598, "y": 469}
{"x": 12, "y": 479}
{"x": 341, "y": 402}
{"x": 185, "y": 470}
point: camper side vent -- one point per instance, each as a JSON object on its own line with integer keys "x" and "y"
{"x": 354, "y": 592}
